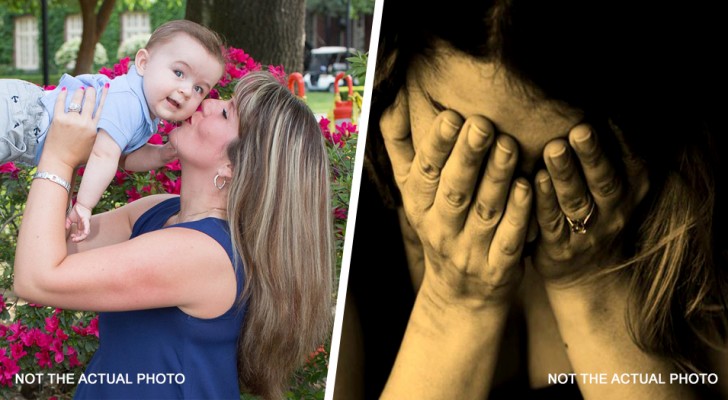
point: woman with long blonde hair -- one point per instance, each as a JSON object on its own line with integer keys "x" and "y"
{"x": 239, "y": 263}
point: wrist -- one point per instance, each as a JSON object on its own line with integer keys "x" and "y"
{"x": 439, "y": 299}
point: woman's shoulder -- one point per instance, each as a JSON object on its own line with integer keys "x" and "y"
{"x": 137, "y": 208}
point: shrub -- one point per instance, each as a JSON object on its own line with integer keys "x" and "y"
{"x": 130, "y": 46}
{"x": 65, "y": 57}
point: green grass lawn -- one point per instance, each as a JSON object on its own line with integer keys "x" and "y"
{"x": 320, "y": 102}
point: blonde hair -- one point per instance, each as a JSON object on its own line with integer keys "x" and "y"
{"x": 282, "y": 226}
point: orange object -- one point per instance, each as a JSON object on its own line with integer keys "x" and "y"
{"x": 294, "y": 78}
{"x": 343, "y": 110}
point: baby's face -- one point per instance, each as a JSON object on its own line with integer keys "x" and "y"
{"x": 178, "y": 75}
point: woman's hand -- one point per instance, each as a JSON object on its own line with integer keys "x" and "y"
{"x": 582, "y": 205}
{"x": 472, "y": 229}
{"x": 72, "y": 133}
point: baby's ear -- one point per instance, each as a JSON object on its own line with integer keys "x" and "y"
{"x": 140, "y": 61}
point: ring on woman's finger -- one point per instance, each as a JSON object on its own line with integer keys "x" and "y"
{"x": 74, "y": 107}
{"x": 578, "y": 225}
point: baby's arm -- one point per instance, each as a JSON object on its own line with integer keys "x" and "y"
{"x": 100, "y": 170}
{"x": 149, "y": 156}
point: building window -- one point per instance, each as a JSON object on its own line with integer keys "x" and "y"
{"x": 134, "y": 23}
{"x": 26, "y": 43}
{"x": 74, "y": 27}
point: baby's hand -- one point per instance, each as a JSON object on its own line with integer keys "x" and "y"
{"x": 81, "y": 216}
{"x": 169, "y": 152}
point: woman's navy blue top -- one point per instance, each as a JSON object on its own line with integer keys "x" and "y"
{"x": 164, "y": 353}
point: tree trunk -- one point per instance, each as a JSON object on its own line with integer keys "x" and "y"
{"x": 271, "y": 31}
{"x": 199, "y": 11}
{"x": 93, "y": 26}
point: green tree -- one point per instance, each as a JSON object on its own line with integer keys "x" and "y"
{"x": 95, "y": 16}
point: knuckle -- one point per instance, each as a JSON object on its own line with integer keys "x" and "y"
{"x": 455, "y": 199}
{"x": 428, "y": 169}
{"x": 495, "y": 175}
{"x": 591, "y": 159}
{"x": 564, "y": 176}
{"x": 608, "y": 187}
{"x": 509, "y": 247}
{"x": 487, "y": 214}
{"x": 577, "y": 204}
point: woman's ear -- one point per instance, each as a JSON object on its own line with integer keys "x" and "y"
{"x": 142, "y": 57}
{"x": 226, "y": 171}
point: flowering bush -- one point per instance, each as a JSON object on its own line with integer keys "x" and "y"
{"x": 37, "y": 339}
{"x": 131, "y": 45}
{"x": 65, "y": 57}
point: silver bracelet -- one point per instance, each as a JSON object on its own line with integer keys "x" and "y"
{"x": 53, "y": 178}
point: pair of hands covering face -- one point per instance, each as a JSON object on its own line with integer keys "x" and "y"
{"x": 473, "y": 226}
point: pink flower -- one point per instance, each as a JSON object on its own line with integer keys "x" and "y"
{"x": 60, "y": 334}
{"x": 8, "y": 369}
{"x": 278, "y": 73}
{"x": 93, "y": 326}
{"x": 155, "y": 139}
{"x": 10, "y": 168}
{"x": 29, "y": 338}
{"x": 132, "y": 194}
{"x": 172, "y": 186}
{"x": 119, "y": 69}
{"x": 174, "y": 166}
{"x": 57, "y": 349}
{"x": 72, "y": 357}
{"x": 107, "y": 72}
{"x": 18, "y": 329}
{"x": 51, "y": 324}
{"x": 17, "y": 350}
{"x": 237, "y": 55}
{"x": 224, "y": 81}
{"x": 91, "y": 329}
{"x": 120, "y": 177}
{"x": 234, "y": 71}
{"x": 214, "y": 94}
{"x": 346, "y": 128}
{"x": 324, "y": 124}
{"x": 44, "y": 359}
{"x": 340, "y": 213}
{"x": 165, "y": 127}
{"x": 43, "y": 340}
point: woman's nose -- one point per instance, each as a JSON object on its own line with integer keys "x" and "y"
{"x": 208, "y": 106}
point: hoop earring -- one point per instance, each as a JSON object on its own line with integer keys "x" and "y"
{"x": 219, "y": 187}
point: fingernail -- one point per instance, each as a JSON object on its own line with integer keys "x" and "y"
{"x": 521, "y": 192}
{"x": 63, "y": 89}
{"x": 106, "y": 85}
{"x": 560, "y": 158}
{"x": 82, "y": 88}
{"x": 583, "y": 139}
{"x": 448, "y": 128}
{"x": 502, "y": 153}
{"x": 544, "y": 185}
{"x": 477, "y": 138}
